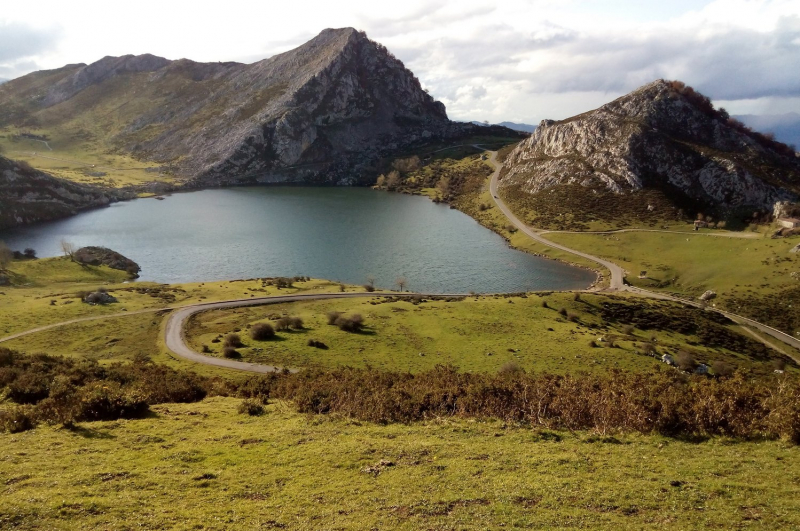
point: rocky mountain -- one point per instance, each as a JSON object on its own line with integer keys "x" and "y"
{"x": 324, "y": 112}
{"x": 662, "y": 136}
{"x": 28, "y": 195}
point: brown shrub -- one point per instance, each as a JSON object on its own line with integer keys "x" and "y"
{"x": 262, "y": 331}
{"x": 231, "y": 353}
{"x": 233, "y": 340}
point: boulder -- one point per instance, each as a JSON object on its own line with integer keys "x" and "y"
{"x": 99, "y": 297}
{"x": 102, "y": 256}
{"x": 708, "y": 295}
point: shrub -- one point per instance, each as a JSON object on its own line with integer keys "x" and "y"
{"x": 685, "y": 361}
{"x": 354, "y": 323}
{"x": 296, "y": 323}
{"x": 369, "y": 288}
{"x": 544, "y": 304}
{"x": 628, "y": 330}
{"x": 250, "y": 407}
{"x": 562, "y": 311}
{"x": 233, "y": 340}
{"x": 17, "y": 419}
{"x": 332, "y": 317}
{"x": 317, "y": 344}
{"x": 510, "y": 367}
{"x": 231, "y": 353}
{"x": 722, "y": 369}
{"x": 262, "y": 331}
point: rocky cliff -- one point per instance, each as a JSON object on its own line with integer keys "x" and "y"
{"x": 28, "y": 195}
{"x": 665, "y": 136}
{"x": 324, "y": 112}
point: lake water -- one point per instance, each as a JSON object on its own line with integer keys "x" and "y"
{"x": 343, "y": 234}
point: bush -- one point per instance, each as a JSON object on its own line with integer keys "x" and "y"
{"x": 510, "y": 367}
{"x": 17, "y": 419}
{"x": 369, "y": 288}
{"x": 317, "y": 344}
{"x": 233, "y": 340}
{"x": 685, "y": 361}
{"x": 262, "y": 331}
{"x": 231, "y": 353}
{"x": 562, "y": 311}
{"x": 332, "y": 317}
{"x": 354, "y": 323}
{"x": 722, "y": 369}
{"x": 250, "y": 407}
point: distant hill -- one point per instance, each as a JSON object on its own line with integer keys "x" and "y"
{"x": 2, "y": 81}
{"x": 785, "y": 127}
{"x": 525, "y": 128}
{"x": 324, "y": 112}
{"x": 662, "y": 137}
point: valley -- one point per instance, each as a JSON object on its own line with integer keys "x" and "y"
{"x": 309, "y": 325}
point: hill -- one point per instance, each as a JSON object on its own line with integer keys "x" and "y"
{"x": 324, "y": 112}
{"x": 28, "y": 195}
{"x": 663, "y": 147}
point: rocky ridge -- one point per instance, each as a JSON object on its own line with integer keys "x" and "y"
{"x": 28, "y": 195}
{"x": 663, "y": 135}
{"x": 325, "y": 112}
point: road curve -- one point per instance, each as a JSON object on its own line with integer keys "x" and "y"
{"x": 175, "y": 339}
{"x": 617, "y": 282}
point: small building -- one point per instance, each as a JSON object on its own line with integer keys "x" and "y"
{"x": 789, "y": 223}
{"x": 700, "y": 224}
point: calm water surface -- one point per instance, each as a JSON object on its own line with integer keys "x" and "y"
{"x": 343, "y": 234}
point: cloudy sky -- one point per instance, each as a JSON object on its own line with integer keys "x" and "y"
{"x": 512, "y": 60}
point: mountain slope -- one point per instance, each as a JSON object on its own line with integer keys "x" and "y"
{"x": 28, "y": 195}
{"x": 663, "y": 136}
{"x": 323, "y": 112}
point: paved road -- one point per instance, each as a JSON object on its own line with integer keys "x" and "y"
{"x": 617, "y": 282}
{"x": 176, "y": 341}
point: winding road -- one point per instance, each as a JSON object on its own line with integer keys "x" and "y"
{"x": 617, "y": 280}
{"x": 176, "y": 342}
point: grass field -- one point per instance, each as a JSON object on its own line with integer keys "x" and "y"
{"x": 71, "y": 155}
{"x": 751, "y": 277}
{"x": 476, "y": 334}
{"x": 192, "y": 466}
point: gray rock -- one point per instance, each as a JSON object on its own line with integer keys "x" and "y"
{"x": 657, "y": 136}
{"x": 708, "y": 295}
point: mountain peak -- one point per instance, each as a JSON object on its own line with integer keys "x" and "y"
{"x": 663, "y": 134}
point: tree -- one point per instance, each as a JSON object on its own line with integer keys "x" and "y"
{"x": 443, "y": 186}
{"x": 401, "y": 282}
{"x": 393, "y": 181}
{"x": 5, "y": 255}
{"x": 381, "y": 182}
{"x": 29, "y": 254}
{"x": 371, "y": 280}
{"x": 68, "y": 248}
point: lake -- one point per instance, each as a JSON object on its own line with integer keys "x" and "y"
{"x": 343, "y": 234}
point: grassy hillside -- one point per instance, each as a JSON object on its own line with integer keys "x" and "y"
{"x": 203, "y": 466}
{"x": 78, "y": 153}
{"x": 758, "y": 278}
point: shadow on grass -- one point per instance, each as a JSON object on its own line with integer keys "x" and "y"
{"x": 90, "y": 433}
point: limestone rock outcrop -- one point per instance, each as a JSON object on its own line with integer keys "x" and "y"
{"x": 663, "y": 135}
